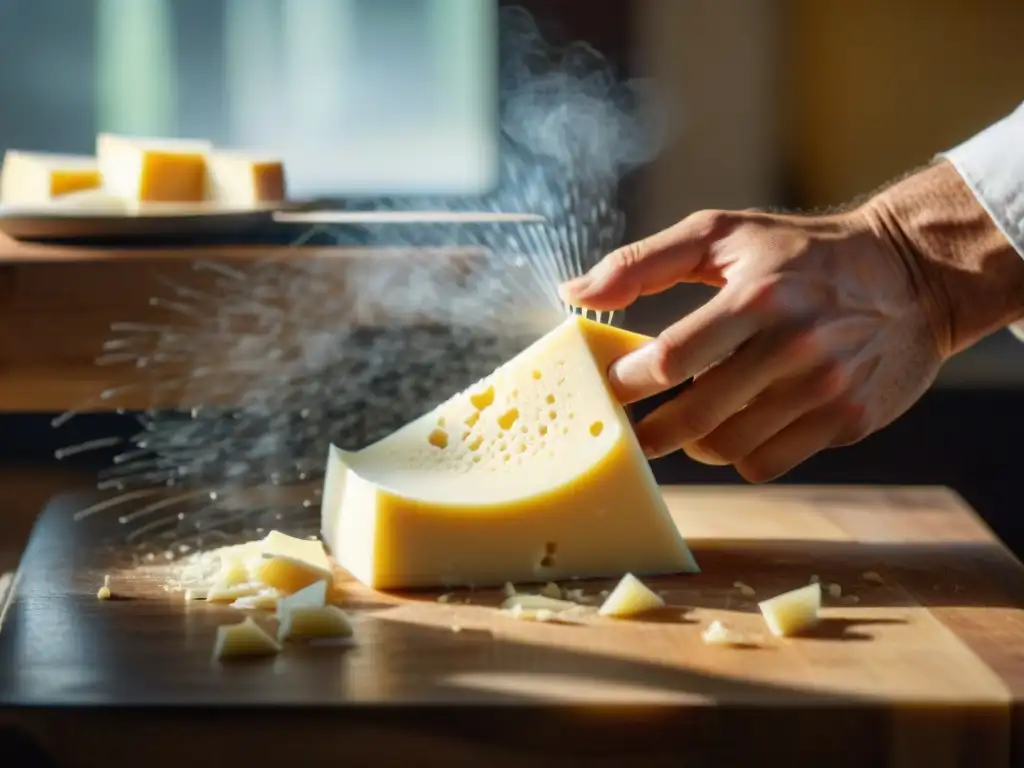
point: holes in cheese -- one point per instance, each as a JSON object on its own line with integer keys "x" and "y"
{"x": 524, "y": 474}
{"x": 631, "y": 597}
{"x": 245, "y": 639}
{"x": 792, "y": 612}
{"x": 153, "y": 170}
{"x": 28, "y": 178}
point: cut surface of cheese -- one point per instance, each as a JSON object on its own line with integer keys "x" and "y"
{"x": 153, "y": 170}
{"x": 792, "y": 612}
{"x": 238, "y": 180}
{"x": 631, "y": 597}
{"x": 533, "y": 474}
{"x": 309, "y": 622}
{"x": 289, "y": 564}
{"x": 28, "y": 178}
{"x": 313, "y": 596}
{"x": 245, "y": 639}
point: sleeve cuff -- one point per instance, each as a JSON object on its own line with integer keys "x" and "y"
{"x": 991, "y": 163}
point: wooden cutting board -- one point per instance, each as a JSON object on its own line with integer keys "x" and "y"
{"x": 925, "y": 668}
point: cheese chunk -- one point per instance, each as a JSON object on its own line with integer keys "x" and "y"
{"x": 238, "y": 180}
{"x": 534, "y": 474}
{"x": 792, "y": 612}
{"x": 289, "y": 564}
{"x": 31, "y": 178}
{"x": 313, "y": 596}
{"x": 718, "y": 633}
{"x": 219, "y": 593}
{"x": 149, "y": 170}
{"x": 244, "y": 639}
{"x": 630, "y": 597}
{"x": 308, "y": 622}
{"x": 537, "y": 602}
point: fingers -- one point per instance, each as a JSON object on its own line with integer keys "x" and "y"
{"x": 770, "y": 413}
{"x": 648, "y": 266}
{"x": 808, "y": 435}
{"x": 718, "y": 395}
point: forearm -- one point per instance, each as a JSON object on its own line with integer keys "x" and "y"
{"x": 967, "y": 269}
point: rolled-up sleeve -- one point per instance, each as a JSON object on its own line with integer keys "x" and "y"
{"x": 992, "y": 164}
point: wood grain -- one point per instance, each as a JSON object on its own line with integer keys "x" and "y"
{"x": 923, "y": 669}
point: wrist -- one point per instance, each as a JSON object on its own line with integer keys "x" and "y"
{"x": 970, "y": 278}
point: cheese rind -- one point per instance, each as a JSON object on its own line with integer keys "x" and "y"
{"x": 28, "y": 178}
{"x": 534, "y": 474}
{"x": 154, "y": 170}
{"x": 792, "y": 612}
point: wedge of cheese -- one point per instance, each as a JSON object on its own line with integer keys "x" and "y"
{"x": 29, "y": 178}
{"x": 239, "y": 180}
{"x": 152, "y": 170}
{"x": 534, "y": 474}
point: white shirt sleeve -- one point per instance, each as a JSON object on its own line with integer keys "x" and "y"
{"x": 992, "y": 165}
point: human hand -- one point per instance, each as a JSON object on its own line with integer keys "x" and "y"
{"x": 826, "y": 328}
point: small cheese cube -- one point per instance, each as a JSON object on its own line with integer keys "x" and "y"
{"x": 630, "y": 598}
{"x": 238, "y": 180}
{"x": 313, "y": 596}
{"x": 792, "y": 612}
{"x": 718, "y": 633}
{"x": 245, "y": 639}
{"x": 307, "y": 622}
{"x": 28, "y": 178}
{"x": 153, "y": 170}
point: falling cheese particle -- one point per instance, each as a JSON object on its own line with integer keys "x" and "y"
{"x": 549, "y": 482}
{"x": 103, "y": 593}
{"x": 239, "y": 180}
{"x": 834, "y": 590}
{"x": 245, "y": 639}
{"x": 872, "y": 577}
{"x": 630, "y": 597}
{"x": 307, "y": 622}
{"x": 153, "y": 170}
{"x": 792, "y": 612}
{"x": 717, "y": 633}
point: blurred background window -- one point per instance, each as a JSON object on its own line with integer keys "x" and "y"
{"x": 363, "y": 97}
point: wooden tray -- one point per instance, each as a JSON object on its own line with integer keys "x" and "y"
{"x": 923, "y": 669}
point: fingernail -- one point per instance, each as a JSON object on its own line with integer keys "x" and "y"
{"x": 630, "y": 370}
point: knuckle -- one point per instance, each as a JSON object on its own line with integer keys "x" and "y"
{"x": 728, "y": 444}
{"x": 765, "y": 296}
{"x": 622, "y": 260}
{"x": 710, "y": 224}
{"x": 661, "y": 362}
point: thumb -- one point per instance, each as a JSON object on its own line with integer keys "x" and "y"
{"x": 651, "y": 265}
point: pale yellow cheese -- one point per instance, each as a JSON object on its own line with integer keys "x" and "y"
{"x": 233, "y": 572}
{"x": 289, "y": 564}
{"x": 309, "y": 622}
{"x": 222, "y": 594}
{"x": 245, "y": 639}
{"x": 537, "y": 602}
{"x": 630, "y": 597}
{"x": 718, "y": 633}
{"x": 32, "y": 178}
{"x": 534, "y": 474}
{"x": 792, "y": 612}
{"x": 264, "y": 600}
{"x": 154, "y": 170}
{"x": 313, "y": 596}
{"x": 239, "y": 180}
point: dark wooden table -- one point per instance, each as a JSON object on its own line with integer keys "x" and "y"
{"x": 924, "y": 669}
